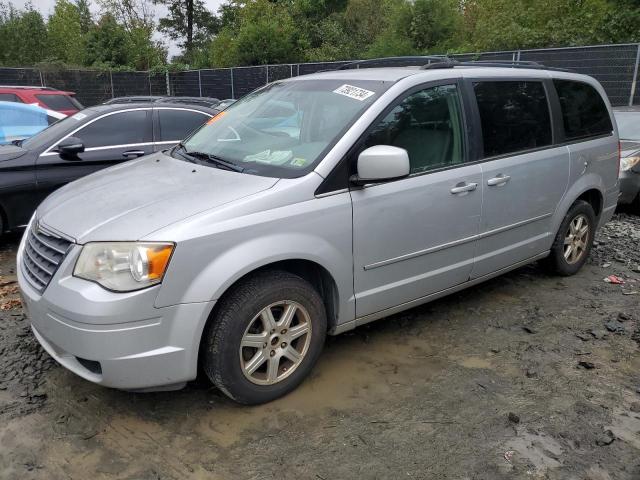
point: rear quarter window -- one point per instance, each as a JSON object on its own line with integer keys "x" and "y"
{"x": 9, "y": 97}
{"x": 59, "y": 102}
{"x": 584, "y": 113}
{"x": 177, "y": 124}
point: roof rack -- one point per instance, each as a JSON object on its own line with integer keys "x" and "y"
{"x": 30, "y": 87}
{"x": 442, "y": 61}
{"x": 411, "y": 61}
{"x": 491, "y": 63}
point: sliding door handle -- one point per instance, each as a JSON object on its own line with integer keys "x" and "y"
{"x": 498, "y": 180}
{"x": 463, "y": 187}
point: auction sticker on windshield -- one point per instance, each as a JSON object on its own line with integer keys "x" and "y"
{"x": 356, "y": 93}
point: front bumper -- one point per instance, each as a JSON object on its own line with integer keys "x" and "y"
{"x": 117, "y": 340}
{"x": 629, "y": 186}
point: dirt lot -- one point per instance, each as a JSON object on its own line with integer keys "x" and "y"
{"x": 526, "y": 376}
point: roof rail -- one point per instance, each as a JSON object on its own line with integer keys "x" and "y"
{"x": 492, "y": 63}
{"x": 409, "y": 61}
{"x": 34, "y": 87}
{"x": 443, "y": 61}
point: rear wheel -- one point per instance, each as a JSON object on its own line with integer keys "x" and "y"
{"x": 267, "y": 335}
{"x": 573, "y": 241}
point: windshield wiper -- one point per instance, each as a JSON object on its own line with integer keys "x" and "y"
{"x": 217, "y": 161}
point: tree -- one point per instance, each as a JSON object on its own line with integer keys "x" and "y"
{"x": 265, "y": 32}
{"x": 189, "y": 22}
{"x": 23, "y": 36}
{"x": 107, "y": 44}
{"x": 65, "y": 33}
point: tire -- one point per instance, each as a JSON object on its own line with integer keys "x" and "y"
{"x": 242, "y": 317}
{"x": 635, "y": 205}
{"x": 557, "y": 263}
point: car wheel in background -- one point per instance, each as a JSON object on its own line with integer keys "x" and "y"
{"x": 266, "y": 336}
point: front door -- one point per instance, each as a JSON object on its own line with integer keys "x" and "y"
{"x": 416, "y": 236}
{"x": 108, "y": 140}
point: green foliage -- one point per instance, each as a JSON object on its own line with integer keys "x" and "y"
{"x": 66, "y": 39}
{"x": 23, "y": 36}
{"x": 190, "y": 23}
{"x": 256, "y": 32}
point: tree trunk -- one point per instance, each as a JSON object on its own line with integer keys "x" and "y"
{"x": 189, "y": 26}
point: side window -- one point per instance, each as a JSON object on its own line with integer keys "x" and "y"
{"x": 428, "y": 125}
{"x": 118, "y": 129}
{"x": 514, "y": 116}
{"x": 584, "y": 113}
{"x": 177, "y": 124}
{"x": 9, "y": 97}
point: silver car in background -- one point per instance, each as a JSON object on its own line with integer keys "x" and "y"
{"x": 312, "y": 206}
{"x": 628, "y": 120}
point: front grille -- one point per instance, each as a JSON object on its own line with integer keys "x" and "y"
{"x": 43, "y": 254}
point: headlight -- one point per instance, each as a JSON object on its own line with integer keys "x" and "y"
{"x": 123, "y": 266}
{"x": 627, "y": 163}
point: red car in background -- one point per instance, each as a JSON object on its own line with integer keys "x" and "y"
{"x": 45, "y": 97}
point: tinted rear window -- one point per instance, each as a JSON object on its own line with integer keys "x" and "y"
{"x": 584, "y": 113}
{"x": 514, "y": 116}
{"x": 9, "y": 97}
{"x": 177, "y": 124}
{"x": 58, "y": 102}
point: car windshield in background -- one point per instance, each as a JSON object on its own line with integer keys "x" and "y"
{"x": 284, "y": 129}
{"x": 628, "y": 125}
{"x": 54, "y": 131}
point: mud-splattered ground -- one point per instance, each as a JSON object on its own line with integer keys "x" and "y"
{"x": 526, "y": 376}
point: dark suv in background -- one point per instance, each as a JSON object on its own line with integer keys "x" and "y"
{"x": 83, "y": 143}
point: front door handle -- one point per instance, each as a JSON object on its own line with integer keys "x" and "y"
{"x": 133, "y": 153}
{"x": 463, "y": 187}
{"x": 499, "y": 180}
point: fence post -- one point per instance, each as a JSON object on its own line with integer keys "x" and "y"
{"x": 291, "y": 69}
{"x": 200, "y": 82}
{"x": 41, "y": 79}
{"x": 233, "y": 95}
{"x": 149, "y": 77}
{"x": 111, "y": 81}
{"x": 519, "y": 55}
{"x": 635, "y": 77}
{"x": 166, "y": 78}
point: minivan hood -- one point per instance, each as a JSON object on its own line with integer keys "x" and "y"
{"x": 9, "y": 152}
{"x": 131, "y": 200}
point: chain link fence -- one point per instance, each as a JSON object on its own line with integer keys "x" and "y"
{"x": 614, "y": 66}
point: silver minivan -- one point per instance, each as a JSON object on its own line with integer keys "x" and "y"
{"x": 312, "y": 206}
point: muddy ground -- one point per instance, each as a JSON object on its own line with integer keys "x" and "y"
{"x": 526, "y": 376}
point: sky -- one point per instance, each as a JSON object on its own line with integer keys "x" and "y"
{"x": 46, "y": 8}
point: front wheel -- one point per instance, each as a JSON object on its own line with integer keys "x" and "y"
{"x": 573, "y": 241}
{"x": 266, "y": 337}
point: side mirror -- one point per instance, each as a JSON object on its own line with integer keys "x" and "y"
{"x": 381, "y": 163}
{"x": 70, "y": 146}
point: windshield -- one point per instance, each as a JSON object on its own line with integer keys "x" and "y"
{"x": 284, "y": 129}
{"x": 54, "y": 131}
{"x": 628, "y": 125}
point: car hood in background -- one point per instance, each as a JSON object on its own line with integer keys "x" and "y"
{"x": 9, "y": 152}
{"x": 133, "y": 199}
{"x": 628, "y": 148}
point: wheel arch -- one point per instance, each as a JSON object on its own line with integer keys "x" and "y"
{"x": 311, "y": 271}
{"x": 589, "y": 188}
